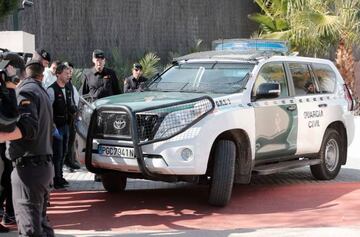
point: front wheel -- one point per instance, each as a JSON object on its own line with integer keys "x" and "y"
{"x": 330, "y": 154}
{"x": 113, "y": 182}
{"x": 222, "y": 178}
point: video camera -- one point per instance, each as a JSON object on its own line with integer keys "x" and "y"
{"x": 17, "y": 60}
{"x": 8, "y": 102}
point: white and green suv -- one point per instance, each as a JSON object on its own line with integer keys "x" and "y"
{"x": 218, "y": 117}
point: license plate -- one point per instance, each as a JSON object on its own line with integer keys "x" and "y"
{"x": 116, "y": 151}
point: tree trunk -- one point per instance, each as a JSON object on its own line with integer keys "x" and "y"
{"x": 345, "y": 64}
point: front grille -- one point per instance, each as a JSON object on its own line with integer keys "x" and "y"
{"x": 148, "y": 124}
{"x": 113, "y": 123}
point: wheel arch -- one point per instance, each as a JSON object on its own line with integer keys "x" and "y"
{"x": 243, "y": 163}
{"x": 340, "y": 128}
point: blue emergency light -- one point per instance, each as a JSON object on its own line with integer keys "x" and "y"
{"x": 251, "y": 45}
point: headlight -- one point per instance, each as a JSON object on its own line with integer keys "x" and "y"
{"x": 83, "y": 119}
{"x": 86, "y": 114}
{"x": 182, "y": 116}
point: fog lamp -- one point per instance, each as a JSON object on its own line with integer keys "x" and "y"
{"x": 186, "y": 154}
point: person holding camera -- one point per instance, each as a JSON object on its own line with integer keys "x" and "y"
{"x": 30, "y": 150}
{"x": 12, "y": 69}
{"x": 61, "y": 98}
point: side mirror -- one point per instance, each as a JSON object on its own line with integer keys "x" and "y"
{"x": 268, "y": 90}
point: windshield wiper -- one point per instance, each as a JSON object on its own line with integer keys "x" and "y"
{"x": 153, "y": 80}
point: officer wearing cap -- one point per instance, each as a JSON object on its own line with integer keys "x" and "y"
{"x": 136, "y": 81}
{"x": 43, "y": 57}
{"x": 30, "y": 149}
{"x": 99, "y": 81}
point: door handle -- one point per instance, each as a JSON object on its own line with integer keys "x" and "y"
{"x": 291, "y": 107}
{"x": 322, "y": 105}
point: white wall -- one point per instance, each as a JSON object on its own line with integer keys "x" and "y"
{"x": 17, "y": 41}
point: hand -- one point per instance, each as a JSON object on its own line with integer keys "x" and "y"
{"x": 56, "y": 134}
{"x": 10, "y": 85}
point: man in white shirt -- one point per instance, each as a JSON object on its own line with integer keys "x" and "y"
{"x": 49, "y": 74}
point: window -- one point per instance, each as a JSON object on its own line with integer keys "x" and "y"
{"x": 326, "y": 77}
{"x": 303, "y": 81}
{"x": 272, "y": 72}
{"x": 212, "y": 77}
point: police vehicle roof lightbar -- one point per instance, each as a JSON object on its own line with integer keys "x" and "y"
{"x": 251, "y": 45}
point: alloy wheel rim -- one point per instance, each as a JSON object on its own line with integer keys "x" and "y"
{"x": 331, "y": 155}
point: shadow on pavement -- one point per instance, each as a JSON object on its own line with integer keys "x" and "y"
{"x": 186, "y": 208}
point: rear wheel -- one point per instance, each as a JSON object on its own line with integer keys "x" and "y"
{"x": 222, "y": 178}
{"x": 113, "y": 182}
{"x": 331, "y": 153}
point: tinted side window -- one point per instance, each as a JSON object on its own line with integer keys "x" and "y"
{"x": 269, "y": 73}
{"x": 303, "y": 81}
{"x": 326, "y": 77}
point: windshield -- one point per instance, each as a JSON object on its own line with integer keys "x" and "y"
{"x": 212, "y": 77}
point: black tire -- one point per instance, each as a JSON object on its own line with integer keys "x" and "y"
{"x": 113, "y": 182}
{"x": 330, "y": 154}
{"x": 222, "y": 178}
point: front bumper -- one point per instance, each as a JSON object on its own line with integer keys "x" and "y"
{"x": 156, "y": 159}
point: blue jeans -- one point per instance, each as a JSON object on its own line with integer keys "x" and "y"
{"x": 60, "y": 148}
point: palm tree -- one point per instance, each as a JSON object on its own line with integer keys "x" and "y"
{"x": 150, "y": 63}
{"x": 273, "y": 19}
{"x": 314, "y": 27}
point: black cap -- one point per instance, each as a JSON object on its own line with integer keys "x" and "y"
{"x": 45, "y": 55}
{"x": 98, "y": 53}
{"x": 32, "y": 62}
{"x": 137, "y": 66}
{"x": 13, "y": 59}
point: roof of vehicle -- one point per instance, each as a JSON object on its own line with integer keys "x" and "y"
{"x": 228, "y": 54}
{"x": 234, "y": 55}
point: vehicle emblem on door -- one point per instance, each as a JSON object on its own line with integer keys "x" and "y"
{"x": 119, "y": 124}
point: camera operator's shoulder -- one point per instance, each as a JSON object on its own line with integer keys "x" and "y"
{"x": 29, "y": 85}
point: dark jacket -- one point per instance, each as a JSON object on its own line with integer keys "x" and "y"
{"x": 99, "y": 85}
{"x": 8, "y": 110}
{"x": 132, "y": 85}
{"x": 35, "y": 123}
{"x": 63, "y": 106}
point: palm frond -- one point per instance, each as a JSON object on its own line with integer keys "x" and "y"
{"x": 150, "y": 64}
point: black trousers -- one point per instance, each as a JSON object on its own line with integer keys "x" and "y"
{"x": 31, "y": 188}
{"x": 6, "y": 195}
{"x": 70, "y": 153}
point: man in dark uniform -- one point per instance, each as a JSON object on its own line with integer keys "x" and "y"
{"x": 99, "y": 81}
{"x": 136, "y": 81}
{"x": 43, "y": 56}
{"x": 30, "y": 150}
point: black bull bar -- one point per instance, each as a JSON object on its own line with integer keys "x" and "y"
{"x": 135, "y": 136}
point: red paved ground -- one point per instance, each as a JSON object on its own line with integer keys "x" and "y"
{"x": 295, "y": 205}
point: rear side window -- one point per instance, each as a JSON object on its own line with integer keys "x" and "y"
{"x": 326, "y": 77}
{"x": 272, "y": 72}
{"x": 304, "y": 83}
